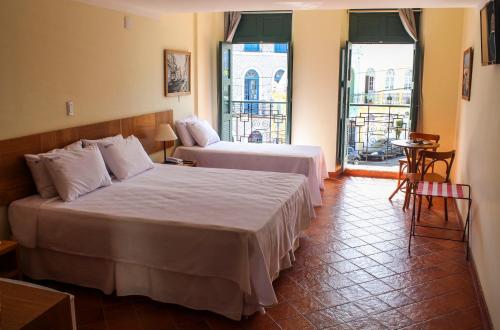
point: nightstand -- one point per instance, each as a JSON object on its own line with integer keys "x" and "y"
{"x": 9, "y": 259}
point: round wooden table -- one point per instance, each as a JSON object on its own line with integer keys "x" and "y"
{"x": 411, "y": 151}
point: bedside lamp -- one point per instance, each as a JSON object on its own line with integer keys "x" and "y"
{"x": 165, "y": 133}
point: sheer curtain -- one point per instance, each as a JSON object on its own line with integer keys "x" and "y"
{"x": 408, "y": 20}
{"x": 407, "y": 17}
{"x": 231, "y": 21}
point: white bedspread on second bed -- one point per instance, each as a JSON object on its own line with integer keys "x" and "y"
{"x": 285, "y": 158}
{"x": 229, "y": 224}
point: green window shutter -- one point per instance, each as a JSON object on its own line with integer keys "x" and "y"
{"x": 271, "y": 27}
{"x": 379, "y": 28}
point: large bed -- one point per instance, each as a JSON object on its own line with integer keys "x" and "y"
{"x": 306, "y": 160}
{"x": 205, "y": 238}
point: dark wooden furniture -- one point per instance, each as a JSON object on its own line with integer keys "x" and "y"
{"x": 403, "y": 163}
{"x": 427, "y": 161}
{"x": 9, "y": 259}
{"x": 15, "y": 178}
{"x": 431, "y": 185}
{"x": 411, "y": 150}
{"x": 28, "y": 307}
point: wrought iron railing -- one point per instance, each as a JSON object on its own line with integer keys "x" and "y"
{"x": 372, "y": 127}
{"x": 259, "y": 121}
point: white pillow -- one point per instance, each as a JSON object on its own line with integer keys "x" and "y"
{"x": 41, "y": 176}
{"x": 203, "y": 133}
{"x": 183, "y": 132}
{"x": 76, "y": 173}
{"x": 115, "y": 138}
{"x": 125, "y": 158}
{"x": 101, "y": 142}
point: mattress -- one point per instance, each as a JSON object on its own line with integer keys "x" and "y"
{"x": 235, "y": 226}
{"x": 285, "y": 158}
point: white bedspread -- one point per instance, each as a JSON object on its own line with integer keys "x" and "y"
{"x": 228, "y": 224}
{"x": 306, "y": 160}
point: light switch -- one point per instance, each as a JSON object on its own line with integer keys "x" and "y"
{"x": 70, "y": 109}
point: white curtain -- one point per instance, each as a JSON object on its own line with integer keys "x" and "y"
{"x": 231, "y": 21}
{"x": 408, "y": 20}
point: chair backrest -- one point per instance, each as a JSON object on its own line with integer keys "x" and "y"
{"x": 446, "y": 157}
{"x": 425, "y": 136}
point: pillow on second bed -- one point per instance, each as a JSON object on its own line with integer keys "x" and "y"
{"x": 203, "y": 133}
{"x": 182, "y": 130}
{"x": 125, "y": 158}
{"x": 76, "y": 173}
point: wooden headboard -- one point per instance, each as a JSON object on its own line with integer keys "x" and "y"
{"x": 15, "y": 177}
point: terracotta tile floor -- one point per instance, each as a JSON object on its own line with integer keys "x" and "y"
{"x": 352, "y": 271}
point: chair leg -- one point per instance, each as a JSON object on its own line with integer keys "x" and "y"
{"x": 419, "y": 208}
{"x": 400, "y": 173}
{"x": 407, "y": 197}
{"x": 412, "y": 223}
{"x": 446, "y": 209}
{"x": 397, "y": 189}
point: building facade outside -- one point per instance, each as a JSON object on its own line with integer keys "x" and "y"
{"x": 259, "y": 91}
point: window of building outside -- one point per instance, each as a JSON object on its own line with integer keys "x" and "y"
{"x": 369, "y": 85}
{"x": 280, "y": 48}
{"x": 389, "y": 79}
{"x": 408, "y": 79}
{"x": 251, "y": 47}
{"x": 251, "y": 91}
{"x": 278, "y": 75}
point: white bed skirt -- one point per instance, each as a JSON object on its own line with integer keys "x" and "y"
{"x": 217, "y": 295}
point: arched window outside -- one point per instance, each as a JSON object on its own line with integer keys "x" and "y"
{"x": 278, "y": 75}
{"x": 251, "y": 92}
{"x": 389, "y": 79}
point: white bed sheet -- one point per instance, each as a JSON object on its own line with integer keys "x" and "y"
{"x": 301, "y": 159}
{"x": 232, "y": 225}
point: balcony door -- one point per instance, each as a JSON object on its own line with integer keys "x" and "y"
{"x": 377, "y": 88}
{"x": 255, "y": 81}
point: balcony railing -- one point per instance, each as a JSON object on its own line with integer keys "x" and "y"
{"x": 259, "y": 121}
{"x": 372, "y": 127}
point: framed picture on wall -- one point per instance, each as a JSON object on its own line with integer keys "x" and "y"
{"x": 467, "y": 73}
{"x": 177, "y": 66}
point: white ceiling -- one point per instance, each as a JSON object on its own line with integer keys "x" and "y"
{"x": 157, "y": 8}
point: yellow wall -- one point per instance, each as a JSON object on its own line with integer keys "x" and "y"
{"x": 317, "y": 39}
{"x": 441, "y": 34}
{"x": 477, "y": 164}
{"x": 210, "y": 30}
{"x": 54, "y": 50}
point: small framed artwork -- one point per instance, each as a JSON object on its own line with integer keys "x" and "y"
{"x": 467, "y": 73}
{"x": 177, "y": 66}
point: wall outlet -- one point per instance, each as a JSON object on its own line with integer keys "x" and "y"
{"x": 127, "y": 22}
{"x": 70, "y": 108}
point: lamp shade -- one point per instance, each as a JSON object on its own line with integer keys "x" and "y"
{"x": 165, "y": 133}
